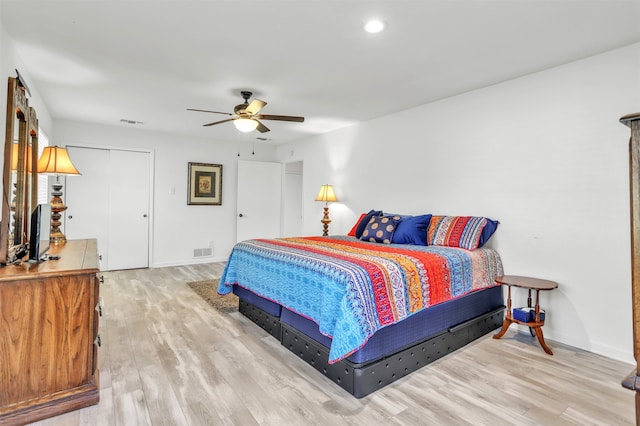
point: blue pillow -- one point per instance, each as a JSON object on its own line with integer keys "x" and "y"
{"x": 412, "y": 230}
{"x": 488, "y": 231}
{"x": 380, "y": 229}
{"x": 365, "y": 220}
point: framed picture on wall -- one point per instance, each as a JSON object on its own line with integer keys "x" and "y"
{"x": 205, "y": 184}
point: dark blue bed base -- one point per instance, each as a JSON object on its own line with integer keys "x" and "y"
{"x": 391, "y": 353}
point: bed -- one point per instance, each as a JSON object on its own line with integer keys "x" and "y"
{"x": 368, "y": 311}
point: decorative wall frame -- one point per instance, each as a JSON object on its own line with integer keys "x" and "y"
{"x": 205, "y": 184}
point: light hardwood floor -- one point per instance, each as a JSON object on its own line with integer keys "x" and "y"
{"x": 167, "y": 358}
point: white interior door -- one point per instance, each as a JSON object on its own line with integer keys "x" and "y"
{"x": 110, "y": 201}
{"x": 259, "y": 200}
{"x": 129, "y": 210}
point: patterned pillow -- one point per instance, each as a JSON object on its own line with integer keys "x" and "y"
{"x": 380, "y": 229}
{"x": 365, "y": 220}
{"x": 456, "y": 231}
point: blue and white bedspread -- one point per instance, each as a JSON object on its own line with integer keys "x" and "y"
{"x": 352, "y": 288}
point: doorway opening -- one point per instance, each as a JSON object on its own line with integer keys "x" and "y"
{"x": 293, "y": 203}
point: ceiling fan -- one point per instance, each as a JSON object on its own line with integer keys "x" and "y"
{"x": 246, "y": 117}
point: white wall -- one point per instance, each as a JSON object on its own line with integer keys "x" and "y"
{"x": 10, "y": 61}
{"x": 177, "y": 227}
{"x": 544, "y": 154}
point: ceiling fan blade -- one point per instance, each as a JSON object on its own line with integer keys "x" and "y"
{"x": 204, "y": 110}
{"x": 280, "y": 117}
{"x": 218, "y": 122}
{"x": 262, "y": 128}
{"x": 255, "y": 106}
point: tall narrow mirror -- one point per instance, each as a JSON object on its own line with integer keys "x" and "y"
{"x": 31, "y": 185}
{"x": 19, "y": 178}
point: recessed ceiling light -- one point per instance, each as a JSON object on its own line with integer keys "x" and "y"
{"x": 374, "y": 26}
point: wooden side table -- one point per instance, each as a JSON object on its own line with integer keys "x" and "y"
{"x": 531, "y": 284}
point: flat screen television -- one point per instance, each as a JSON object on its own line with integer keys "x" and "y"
{"x": 40, "y": 232}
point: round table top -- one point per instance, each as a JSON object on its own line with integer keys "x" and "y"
{"x": 526, "y": 282}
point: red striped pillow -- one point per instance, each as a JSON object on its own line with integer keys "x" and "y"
{"x": 456, "y": 231}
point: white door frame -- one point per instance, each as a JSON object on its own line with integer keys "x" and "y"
{"x": 152, "y": 163}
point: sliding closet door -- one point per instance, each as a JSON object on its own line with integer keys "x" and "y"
{"x": 110, "y": 202}
{"x": 87, "y": 214}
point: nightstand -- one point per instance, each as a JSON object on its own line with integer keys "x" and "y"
{"x": 535, "y": 326}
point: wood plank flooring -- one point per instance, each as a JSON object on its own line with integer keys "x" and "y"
{"x": 167, "y": 358}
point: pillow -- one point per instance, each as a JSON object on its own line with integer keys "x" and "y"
{"x": 380, "y": 229}
{"x": 365, "y": 220}
{"x": 412, "y": 230}
{"x": 488, "y": 231}
{"x": 456, "y": 231}
{"x": 352, "y": 233}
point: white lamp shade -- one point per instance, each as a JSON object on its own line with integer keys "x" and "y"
{"x": 245, "y": 124}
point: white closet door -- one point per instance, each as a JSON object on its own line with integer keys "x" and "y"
{"x": 110, "y": 202}
{"x": 87, "y": 199}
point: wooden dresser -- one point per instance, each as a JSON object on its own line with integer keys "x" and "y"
{"x": 49, "y": 334}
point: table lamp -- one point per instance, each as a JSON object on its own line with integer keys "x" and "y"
{"x": 327, "y": 195}
{"x": 55, "y": 161}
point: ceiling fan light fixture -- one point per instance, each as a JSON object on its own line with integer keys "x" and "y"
{"x": 246, "y": 117}
{"x": 245, "y": 124}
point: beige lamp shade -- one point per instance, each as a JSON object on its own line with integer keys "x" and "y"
{"x": 14, "y": 157}
{"x": 326, "y": 194}
{"x": 55, "y": 161}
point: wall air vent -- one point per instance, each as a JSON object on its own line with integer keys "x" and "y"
{"x": 124, "y": 120}
{"x": 203, "y": 252}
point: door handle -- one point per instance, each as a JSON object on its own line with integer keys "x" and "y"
{"x": 144, "y": 215}
{"x": 240, "y": 215}
{"x": 70, "y": 217}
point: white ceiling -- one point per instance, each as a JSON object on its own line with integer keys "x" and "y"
{"x": 147, "y": 61}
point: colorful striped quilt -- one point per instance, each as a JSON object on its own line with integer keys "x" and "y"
{"x": 352, "y": 288}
